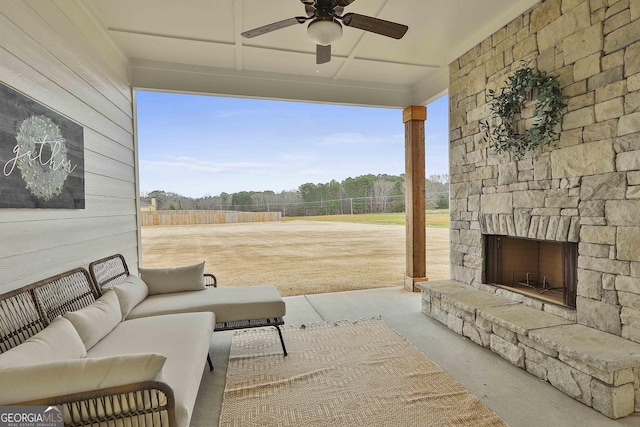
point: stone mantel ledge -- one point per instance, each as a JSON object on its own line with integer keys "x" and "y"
{"x": 442, "y": 287}
{"x": 520, "y": 318}
{"x": 472, "y": 300}
{"x": 602, "y": 350}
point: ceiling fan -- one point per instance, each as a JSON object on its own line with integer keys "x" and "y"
{"x": 325, "y": 27}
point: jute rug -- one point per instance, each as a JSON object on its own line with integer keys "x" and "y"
{"x": 342, "y": 374}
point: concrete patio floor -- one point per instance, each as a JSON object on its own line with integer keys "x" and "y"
{"x": 518, "y": 397}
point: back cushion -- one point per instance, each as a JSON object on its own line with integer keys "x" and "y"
{"x": 95, "y": 321}
{"x": 179, "y": 279}
{"x": 58, "y": 341}
{"x": 130, "y": 293}
{"x": 25, "y": 383}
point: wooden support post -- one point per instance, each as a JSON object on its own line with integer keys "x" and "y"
{"x": 414, "y": 118}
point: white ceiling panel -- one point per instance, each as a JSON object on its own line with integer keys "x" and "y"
{"x": 179, "y": 50}
{"x": 206, "y": 33}
{"x": 302, "y": 64}
{"x": 195, "y": 19}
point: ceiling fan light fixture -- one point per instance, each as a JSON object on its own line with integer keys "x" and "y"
{"x": 324, "y": 32}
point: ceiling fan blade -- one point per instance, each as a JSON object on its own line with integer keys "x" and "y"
{"x": 323, "y": 54}
{"x": 375, "y": 25}
{"x": 274, "y": 26}
{"x": 344, "y": 3}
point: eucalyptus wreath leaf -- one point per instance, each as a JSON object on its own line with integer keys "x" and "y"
{"x": 526, "y": 83}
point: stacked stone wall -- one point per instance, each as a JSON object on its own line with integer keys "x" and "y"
{"x": 586, "y": 188}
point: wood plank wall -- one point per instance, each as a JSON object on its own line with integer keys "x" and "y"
{"x": 56, "y": 53}
{"x": 193, "y": 217}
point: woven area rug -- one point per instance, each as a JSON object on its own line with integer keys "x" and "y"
{"x": 342, "y": 374}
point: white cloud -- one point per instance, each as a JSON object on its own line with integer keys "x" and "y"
{"x": 187, "y": 164}
{"x": 297, "y": 157}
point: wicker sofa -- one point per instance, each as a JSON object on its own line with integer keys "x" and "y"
{"x": 115, "y": 350}
{"x": 63, "y": 343}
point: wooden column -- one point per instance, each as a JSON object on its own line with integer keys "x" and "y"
{"x": 414, "y": 118}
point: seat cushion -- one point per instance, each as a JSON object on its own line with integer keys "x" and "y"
{"x": 229, "y": 303}
{"x": 183, "y": 338}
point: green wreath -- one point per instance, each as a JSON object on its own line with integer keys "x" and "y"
{"x": 44, "y": 177}
{"x": 505, "y": 105}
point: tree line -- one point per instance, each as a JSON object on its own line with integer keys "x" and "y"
{"x": 362, "y": 194}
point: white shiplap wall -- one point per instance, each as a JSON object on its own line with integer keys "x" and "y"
{"x": 54, "y": 52}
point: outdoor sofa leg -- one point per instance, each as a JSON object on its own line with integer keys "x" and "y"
{"x": 284, "y": 349}
{"x": 210, "y": 362}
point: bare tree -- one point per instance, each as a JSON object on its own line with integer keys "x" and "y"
{"x": 380, "y": 191}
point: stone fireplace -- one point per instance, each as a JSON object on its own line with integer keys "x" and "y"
{"x": 545, "y": 250}
{"x": 585, "y": 191}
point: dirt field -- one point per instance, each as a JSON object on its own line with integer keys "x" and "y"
{"x": 299, "y": 257}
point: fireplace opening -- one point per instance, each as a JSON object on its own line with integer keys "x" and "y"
{"x": 542, "y": 269}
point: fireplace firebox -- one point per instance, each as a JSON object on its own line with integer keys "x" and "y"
{"x": 538, "y": 268}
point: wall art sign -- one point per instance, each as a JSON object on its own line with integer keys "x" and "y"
{"x": 41, "y": 155}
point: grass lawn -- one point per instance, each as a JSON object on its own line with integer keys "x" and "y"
{"x": 434, "y": 218}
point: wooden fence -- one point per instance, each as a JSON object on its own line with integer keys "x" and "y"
{"x": 205, "y": 217}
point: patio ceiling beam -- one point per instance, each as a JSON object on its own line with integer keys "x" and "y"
{"x": 153, "y": 75}
{"x": 428, "y": 90}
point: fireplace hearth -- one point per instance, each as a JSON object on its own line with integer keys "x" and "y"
{"x": 541, "y": 269}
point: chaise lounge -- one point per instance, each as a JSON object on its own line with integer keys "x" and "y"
{"x": 234, "y": 307}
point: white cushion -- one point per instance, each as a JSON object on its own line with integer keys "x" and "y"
{"x": 58, "y": 341}
{"x": 178, "y": 279}
{"x": 130, "y": 293}
{"x": 228, "y": 303}
{"x": 183, "y": 338}
{"x": 98, "y": 319}
{"x": 32, "y": 382}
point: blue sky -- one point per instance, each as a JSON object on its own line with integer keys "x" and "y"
{"x": 203, "y": 145}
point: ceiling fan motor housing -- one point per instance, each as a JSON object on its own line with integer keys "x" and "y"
{"x": 324, "y": 31}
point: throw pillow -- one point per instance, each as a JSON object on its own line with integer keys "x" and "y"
{"x": 94, "y": 322}
{"x": 25, "y": 383}
{"x": 179, "y": 279}
{"x": 58, "y": 341}
{"x": 130, "y": 293}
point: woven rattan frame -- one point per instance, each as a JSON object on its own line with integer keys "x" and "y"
{"x": 26, "y": 311}
{"x": 144, "y": 404}
{"x": 65, "y": 292}
{"x": 20, "y": 317}
{"x": 109, "y": 271}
